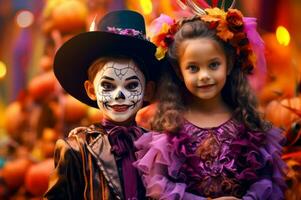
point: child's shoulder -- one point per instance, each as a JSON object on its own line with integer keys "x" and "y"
{"x": 84, "y": 131}
{"x": 80, "y": 136}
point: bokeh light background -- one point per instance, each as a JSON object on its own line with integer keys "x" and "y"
{"x": 35, "y": 112}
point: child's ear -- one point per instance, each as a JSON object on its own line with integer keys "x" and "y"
{"x": 90, "y": 90}
{"x": 149, "y": 91}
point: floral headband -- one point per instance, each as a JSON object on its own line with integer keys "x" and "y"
{"x": 230, "y": 27}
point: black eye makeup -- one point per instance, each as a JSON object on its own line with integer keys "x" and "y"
{"x": 131, "y": 86}
{"x": 107, "y": 86}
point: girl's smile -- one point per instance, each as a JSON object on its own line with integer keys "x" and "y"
{"x": 208, "y": 86}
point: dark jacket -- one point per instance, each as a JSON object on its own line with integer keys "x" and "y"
{"x": 85, "y": 168}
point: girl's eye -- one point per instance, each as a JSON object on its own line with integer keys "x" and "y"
{"x": 107, "y": 86}
{"x": 132, "y": 86}
{"x": 214, "y": 65}
{"x": 193, "y": 68}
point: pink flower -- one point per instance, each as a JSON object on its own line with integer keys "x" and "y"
{"x": 157, "y": 24}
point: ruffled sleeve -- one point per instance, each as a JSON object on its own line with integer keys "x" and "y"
{"x": 270, "y": 187}
{"x": 159, "y": 162}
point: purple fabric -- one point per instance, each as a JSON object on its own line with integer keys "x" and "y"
{"x": 236, "y": 162}
{"x": 258, "y": 78}
{"x": 121, "y": 140}
{"x": 270, "y": 189}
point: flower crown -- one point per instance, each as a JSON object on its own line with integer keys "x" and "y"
{"x": 230, "y": 27}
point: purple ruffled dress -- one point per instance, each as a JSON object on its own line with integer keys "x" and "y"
{"x": 198, "y": 163}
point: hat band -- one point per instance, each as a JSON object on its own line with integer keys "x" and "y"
{"x": 128, "y": 32}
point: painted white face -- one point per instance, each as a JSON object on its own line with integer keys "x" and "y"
{"x": 119, "y": 88}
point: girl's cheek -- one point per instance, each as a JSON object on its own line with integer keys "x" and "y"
{"x": 193, "y": 79}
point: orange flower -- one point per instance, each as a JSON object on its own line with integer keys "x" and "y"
{"x": 229, "y": 27}
{"x": 234, "y": 19}
{"x": 216, "y": 13}
{"x": 223, "y": 31}
{"x": 240, "y": 39}
{"x": 213, "y": 15}
{"x": 208, "y": 18}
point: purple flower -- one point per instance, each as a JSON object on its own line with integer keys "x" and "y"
{"x": 127, "y": 32}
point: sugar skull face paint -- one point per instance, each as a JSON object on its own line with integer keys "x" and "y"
{"x": 119, "y": 88}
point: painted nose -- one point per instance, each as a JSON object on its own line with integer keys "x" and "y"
{"x": 119, "y": 96}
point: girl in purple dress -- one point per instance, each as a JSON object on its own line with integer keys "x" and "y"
{"x": 209, "y": 141}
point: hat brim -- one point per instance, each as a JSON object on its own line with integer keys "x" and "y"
{"x": 73, "y": 59}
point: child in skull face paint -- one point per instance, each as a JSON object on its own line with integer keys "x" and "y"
{"x": 118, "y": 85}
{"x": 110, "y": 69}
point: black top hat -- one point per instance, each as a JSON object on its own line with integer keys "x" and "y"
{"x": 118, "y": 33}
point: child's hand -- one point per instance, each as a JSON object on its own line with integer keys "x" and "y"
{"x": 226, "y": 198}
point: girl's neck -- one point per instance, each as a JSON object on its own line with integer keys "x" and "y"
{"x": 207, "y": 106}
{"x": 207, "y": 113}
